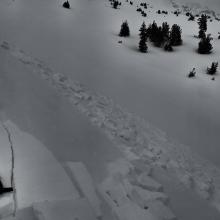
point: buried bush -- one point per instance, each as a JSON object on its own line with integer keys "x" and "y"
{"x": 192, "y": 73}
{"x": 213, "y": 69}
{"x": 168, "y": 46}
{"x": 125, "y": 31}
{"x": 66, "y": 4}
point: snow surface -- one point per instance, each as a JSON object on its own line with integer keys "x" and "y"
{"x": 78, "y": 209}
{"x": 38, "y": 175}
{"x": 86, "y": 185}
{"x": 5, "y": 158}
{"x": 81, "y": 44}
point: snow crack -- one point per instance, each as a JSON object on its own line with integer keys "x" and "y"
{"x": 12, "y": 168}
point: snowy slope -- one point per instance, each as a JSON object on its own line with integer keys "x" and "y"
{"x": 82, "y": 44}
{"x": 38, "y": 176}
{"x": 68, "y": 40}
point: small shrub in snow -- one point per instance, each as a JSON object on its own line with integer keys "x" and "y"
{"x": 175, "y": 35}
{"x": 205, "y": 46}
{"x": 115, "y": 4}
{"x": 66, "y": 4}
{"x": 191, "y": 17}
{"x": 143, "y": 39}
{"x": 168, "y": 46}
{"x": 213, "y": 69}
{"x": 125, "y": 31}
{"x": 192, "y": 73}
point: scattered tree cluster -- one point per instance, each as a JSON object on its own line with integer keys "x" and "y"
{"x": 212, "y": 70}
{"x": 163, "y": 36}
{"x": 162, "y": 12}
{"x": 115, "y": 3}
{"x": 144, "y": 4}
{"x": 204, "y": 46}
{"x": 177, "y": 13}
{"x": 139, "y": 9}
{"x": 191, "y": 16}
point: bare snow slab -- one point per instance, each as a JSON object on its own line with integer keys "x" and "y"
{"x": 23, "y": 214}
{"x": 117, "y": 194}
{"x": 131, "y": 211}
{"x": 158, "y": 209}
{"x": 38, "y": 175}
{"x": 78, "y": 209}
{"x": 81, "y": 176}
{"x": 143, "y": 197}
{"x": 148, "y": 183}
{"x": 5, "y": 158}
{"x": 6, "y": 205}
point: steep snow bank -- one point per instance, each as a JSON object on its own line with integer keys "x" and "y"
{"x": 38, "y": 175}
{"x": 133, "y": 135}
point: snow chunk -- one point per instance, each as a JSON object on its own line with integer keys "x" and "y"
{"x": 38, "y": 175}
{"x": 78, "y": 209}
{"x": 84, "y": 180}
{"x": 5, "y": 158}
{"x": 6, "y": 205}
{"x": 118, "y": 196}
{"x": 161, "y": 211}
{"x": 148, "y": 183}
{"x": 130, "y": 211}
{"x": 143, "y": 197}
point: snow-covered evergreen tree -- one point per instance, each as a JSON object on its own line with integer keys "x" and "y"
{"x": 125, "y": 31}
{"x": 205, "y": 46}
{"x": 143, "y": 38}
{"x": 176, "y": 35}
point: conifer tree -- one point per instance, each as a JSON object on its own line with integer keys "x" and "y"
{"x": 143, "y": 38}
{"x": 66, "y": 4}
{"x": 202, "y": 34}
{"x": 125, "y": 31}
{"x": 202, "y": 22}
{"x": 153, "y": 32}
{"x": 205, "y": 46}
{"x": 158, "y": 38}
{"x": 175, "y": 35}
{"x": 165, "y": 30}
